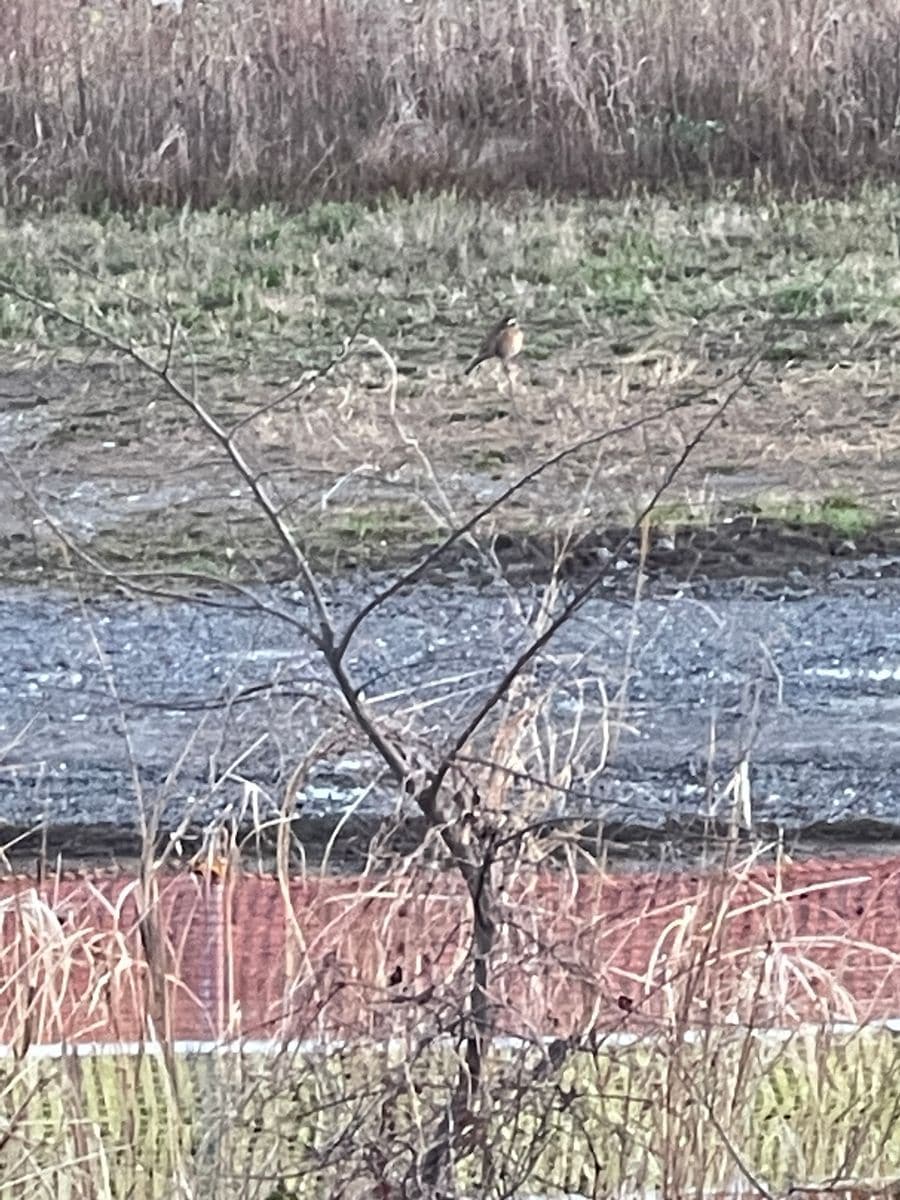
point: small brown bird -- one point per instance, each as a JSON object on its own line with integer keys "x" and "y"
{"x": 504, "y": 341}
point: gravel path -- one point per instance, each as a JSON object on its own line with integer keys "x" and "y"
{"x": 220, "y": 706}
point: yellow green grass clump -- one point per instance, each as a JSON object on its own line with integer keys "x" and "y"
{"x": 699, "y": 1116}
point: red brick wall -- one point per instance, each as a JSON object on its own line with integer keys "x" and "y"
{"x": 818, "y": 940}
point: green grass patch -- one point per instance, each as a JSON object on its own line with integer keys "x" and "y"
{"x": 843, "y": 514}
{"x": 846, "y": 515}
{"x": 247, "y": 284}
{"x": 363, "y": 534}
{"x": 676, "y": 514}
{"x": 234, "y": 545}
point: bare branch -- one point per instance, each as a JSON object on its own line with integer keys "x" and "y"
{"x": 319, "y": 372}
{"x": 129, "y": 581}
{"x": 324, "y": 639}
{"x": 191, "y": 400}
{"x": 583, "y": 593}
{"x": 594, "y": 439}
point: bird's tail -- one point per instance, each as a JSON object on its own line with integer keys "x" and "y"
{"x": 479, "y": 358}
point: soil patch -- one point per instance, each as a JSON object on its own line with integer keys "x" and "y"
{"x": 131, "y": 481}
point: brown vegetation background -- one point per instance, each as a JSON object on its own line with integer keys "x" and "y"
{"x": 289, "y": 100}
{"x": 380, "y": 955}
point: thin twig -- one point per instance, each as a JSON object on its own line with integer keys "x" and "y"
{"x": 414, "y": 573}
{"x": 191, "y": 400}
{"x": 583, "y": 594}
{"x": 318, "y": 372}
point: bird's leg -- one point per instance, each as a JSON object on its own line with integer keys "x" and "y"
{"x": 509, "y": 383}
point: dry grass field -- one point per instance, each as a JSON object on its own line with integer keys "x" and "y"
{"x": 645, "y": 311}
{"x": 249, "y": 101}
{"x": 323, "y": 169}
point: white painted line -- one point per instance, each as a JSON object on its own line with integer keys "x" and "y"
{"x": 270, "y": 1046}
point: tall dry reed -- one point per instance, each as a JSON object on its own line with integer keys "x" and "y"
{"x": 638, "y": 1005}
{"x": 239, "y": 101}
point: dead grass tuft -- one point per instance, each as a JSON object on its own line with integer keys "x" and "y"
{"x": 637, "y": 1009}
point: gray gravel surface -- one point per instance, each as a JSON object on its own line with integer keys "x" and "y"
{"x": 220, "y": 706}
